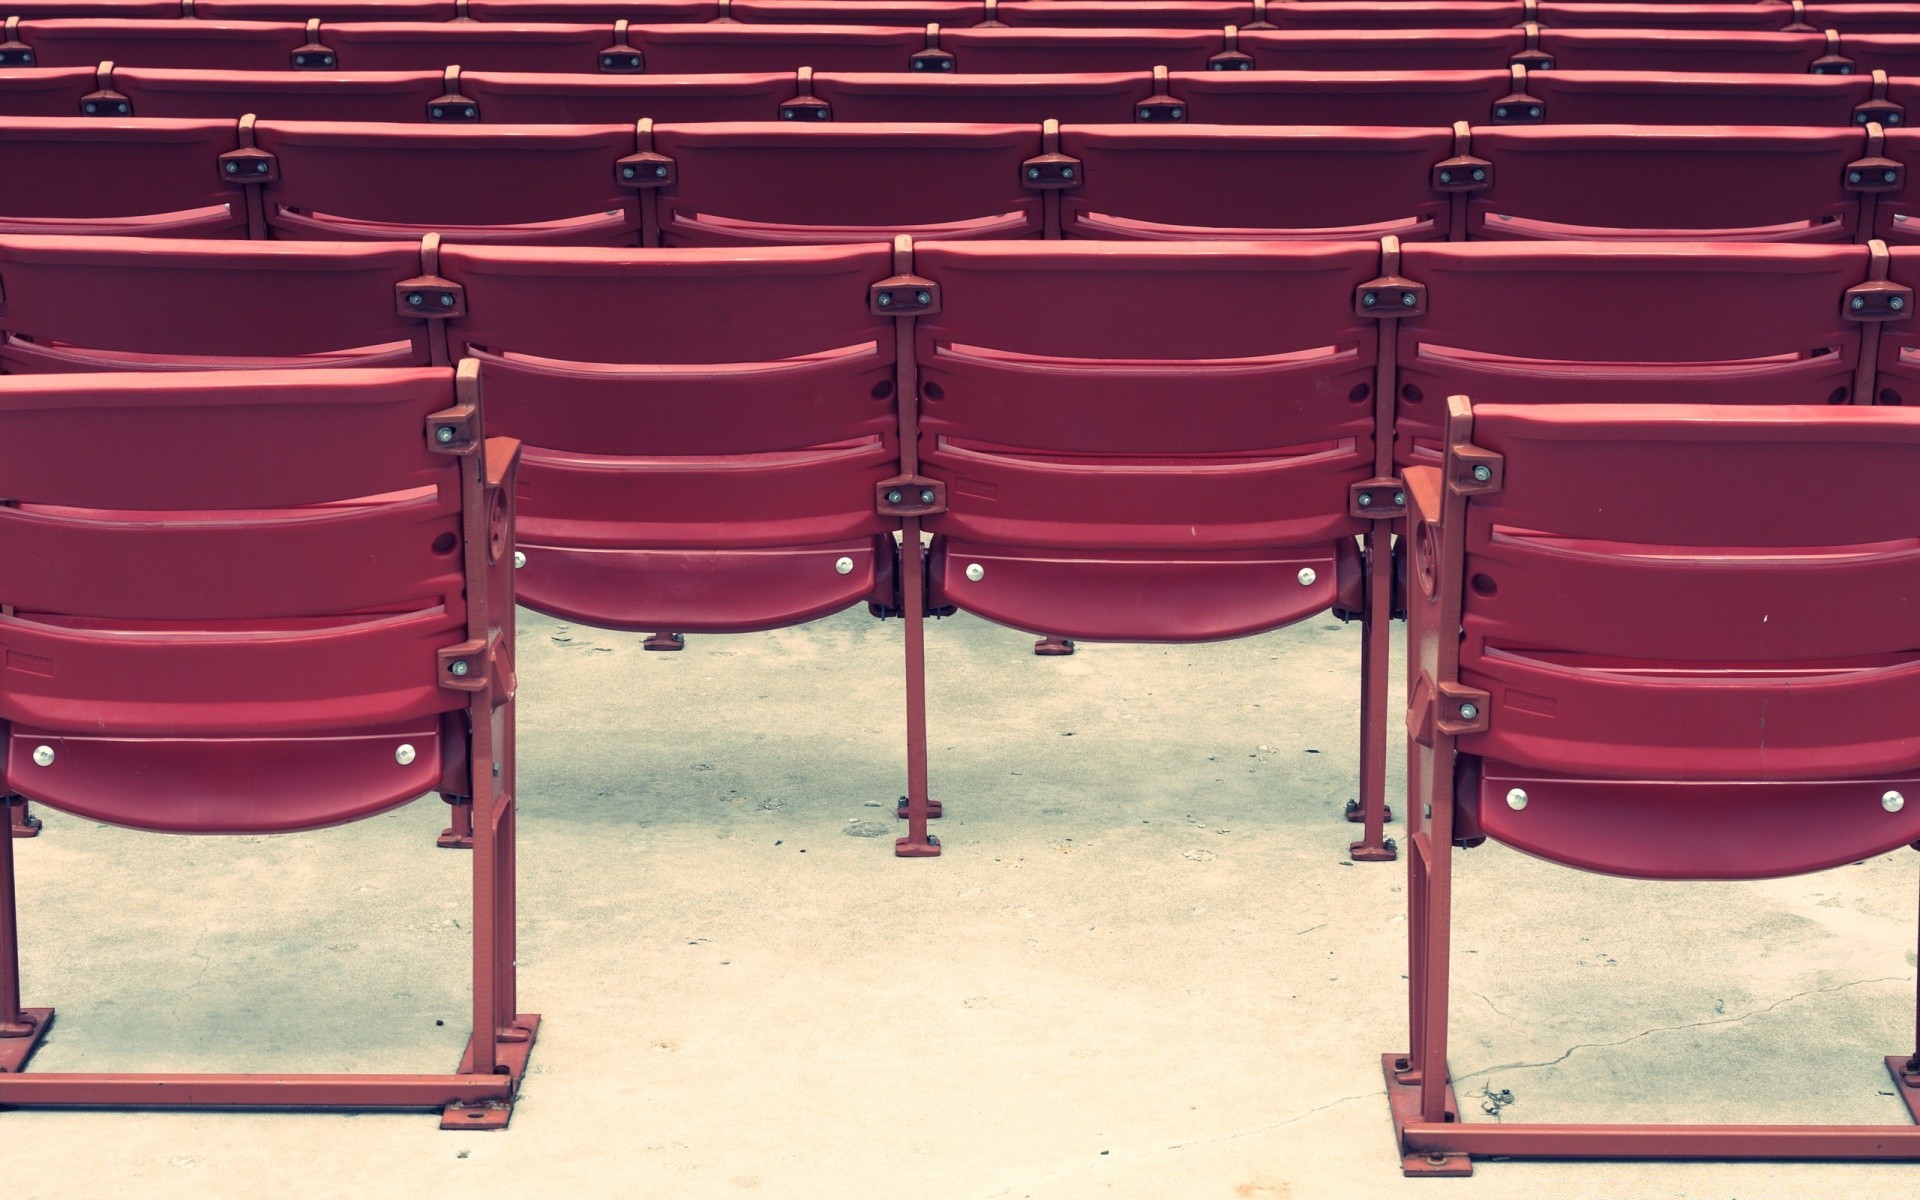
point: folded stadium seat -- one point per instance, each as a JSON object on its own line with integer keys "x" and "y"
{"x": 116, "y": 304}
{"x": 1399, "y": 14}
{"x": 302, "y": 11}
{"x": 740, "y": 184}
{"x": 92, "y": 175}
{"x": 122, "y": 10}
{"x": 1852, "y": 19}
{"x": 1013, "y": 99}
{"x": 1898, "y": 54}
{"x": 1670, "y": 98}
{"x": 552, "y": 185}
{"x": 1382, "y": 49}
{"x": 277, "y": 95}
{"x": 1729, "y": 51}
{"x": 705, "y": 429}
{"x": 1726, "y": 182}
{"x": 648, "y": 12}
{"x": 271, "y": 608}
{"x": 1897, "y": 374}
{"x": 1148, "y": 14}
{"x": 856, "y": 12}
{"x": 1146, "y": 444}
{"x": 735, "y": 48}
{"x": 1429, "y": 98}
{"x": 1762, "y": 16}
{"x": 473, "y": 45}
{"x": 1494, "y": 325}
{"x": 45, "y": 91}
{"x": 530, "y": 99}
{"x": 1320, "y": 183}
{"x": 198, "y": 45}
{"x": 1624, "y": 635}
{"x": 987, "y": 51}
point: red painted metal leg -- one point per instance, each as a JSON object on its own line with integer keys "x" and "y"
{"x": 918, "y": 843}
{"x": 1403, "y": 1097}
{"x": 900, "y": 809}
{"x": 1375, "y": 644}
{"x": 458, "y": 835}
{"x": 1053, "y": 647}
{"x": 666, "y": 641}
{"x": 24, "y": 824}
{"x": 20, "y": 1028}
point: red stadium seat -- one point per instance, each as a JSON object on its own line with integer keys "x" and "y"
{"x": 1739, "y": 183}
{"x": 715, "y": 476}
{"x": 473, "y": 45}
{"x": 1382, "y": 49}
{"x": 196, "y": 45}
{"x": 1733, "y": 51}
{"x": 531, "y": 99}
{"x": 116, "y": 304}
{"x": 952, "y": 13}
{"x": 1898, "y": 54}
{"x": 736, "y": 48}
{"x": 1897, "y": 215}
{"x": 122, "y": 10}
{"x": 96, "y": 176}
{"x": 301, "y": 11}
{"x": 1897, "y": 362}
{"x": 554, "y": 185}
{"x": 278, "y": 95}
{"x": 1070, "y": 499}
{"x": 648, "y": 12}
{"x": 1429, "y": 98}
{"x": 1665, "y": 98}
{"x": 45, "y": 91}
{"x": 1851, "y": 19}
{"x": 1011, "y": 99}
{"x": 1761, "y": 16}
{"x": 1051, "y": 51}
{"x": 1495, "y": 325}
{"x": 1625, "y": 633}
{"x": 792, "y": 184}
{"x": 1151, "y": 14}
{"x": 1315, "y": 182}
{"x": 249, "y": 650}
{"x": 1399, "y": 14}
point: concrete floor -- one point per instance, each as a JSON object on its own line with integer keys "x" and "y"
{"x": 1143, "y": 968}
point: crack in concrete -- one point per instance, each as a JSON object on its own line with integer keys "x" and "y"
{"x": 1732, "y": 1020}
{"x": 1490, "y": 1004}
{"x": 1203, "y": 1141}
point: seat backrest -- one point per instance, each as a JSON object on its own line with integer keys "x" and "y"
{"x": 1760, "y": 16}
{"x": 1698, "y": 98}
{"x": 1649, "y": 593}
{"x": 114, "y": 304}
{"x": 524, "y": 98}
{"x": 1093, "y": 411}
{"x": 1741, "y": 183}
{"x": 1694, "y": 324}
{"x": 797, "y": 184}
{"x": 1399, "y": 14}
{"x": 734, "y": 48}
{"x": 198, "y": 45}
{"x": 472, "y": 45}
{"x": 946, "y": 13}
{"x": 1314, "y": 182}
{"x": 1735, "y": 51}
{"x": 1148, "y": 14}
{"x": 302, "y": 11}
{"x": 1430, "y": 98}
{"x": 555, "y": 185}
{"x": 651, "y": 12}
{"x": 1012, "y": 99}
{"x": 1382, "y": 49}
{"x": 1852, "y": 19}
{"x": 124, "y": 10}
{"x": 1036, "y": 51}
{"x": 45, "y": 91}
{"x": 112, "y": 175}
{"x": 705, "y": 429}
{"x": 394, "y": 96}
{"x": 287, "y": 548}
